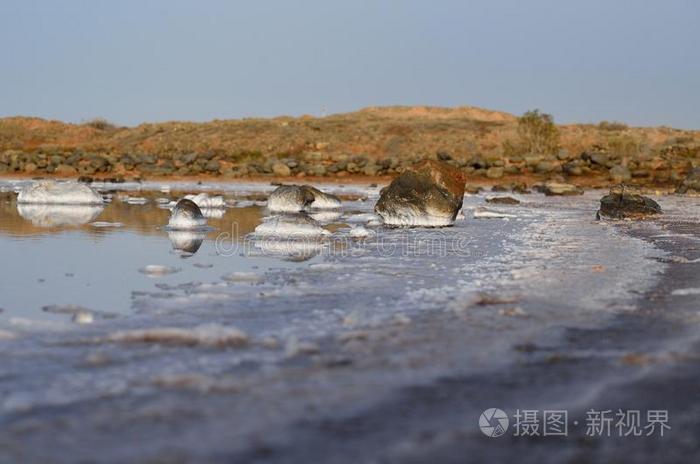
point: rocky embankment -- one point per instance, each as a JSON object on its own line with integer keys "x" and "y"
{"x": 369, "y": 143}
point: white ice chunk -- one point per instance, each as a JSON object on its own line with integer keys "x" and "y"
{"x": 64, "y": 193}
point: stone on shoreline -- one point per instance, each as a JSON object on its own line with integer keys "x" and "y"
{"x": 429, "y": 193}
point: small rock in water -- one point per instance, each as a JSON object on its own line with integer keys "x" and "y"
{"x": 186, "y": 215}
{"x": 503, "y": 201}
{"x": 296, "y": 198}
{"x": 428, "y": 194}
{"x": 136, "y": 200}
{"x": 560, "y": 189}
{"x": 103, "y": 224}
{"x": 627, "y": 206}
{"x": 64, "y": 193}
{"x": 156, "y": 270}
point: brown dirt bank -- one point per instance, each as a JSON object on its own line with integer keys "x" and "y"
{"x": 371, "y": 143}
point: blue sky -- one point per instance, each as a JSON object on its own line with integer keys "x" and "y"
{"x": 134, "y": 61}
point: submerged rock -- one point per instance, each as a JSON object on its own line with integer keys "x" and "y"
{"x": 59, "y": 193}
{"x": 296, "y": 198}
{"x": 429, "y": 194}
{"x": 558, "y": 188}
{"x": 627, "y": 205}
{"x": 186, "y": 215}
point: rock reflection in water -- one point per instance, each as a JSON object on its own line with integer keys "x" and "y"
{"x": 48, "y": 215}
{"x": 186, "y": 241}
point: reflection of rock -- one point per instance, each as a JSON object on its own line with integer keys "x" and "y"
{"x": 58, "y": 215}
{"x": 61, "y": 193}
{"x": 187, "y": 241}
{"x": 293, "y": 226}
{"x": 429, "y": 193}
{"x": 627, "y": 205}
{"x": 186, "y": 215}
{"x": 295, "y": 198}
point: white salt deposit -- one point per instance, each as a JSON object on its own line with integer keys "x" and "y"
{"x": 209, "y": 335}
{"x": 104, "y": 224}
{"x": 157, "y": 270}
{"x": 64, "y": 193}
{"x": 135, "y": 200}
{"x": 242, "y": 277}
{"x": 284, "y": 227}
{"x": 205, "y": 201}
{"x": 483, "y": 213}
{"x": 361, "y": 232}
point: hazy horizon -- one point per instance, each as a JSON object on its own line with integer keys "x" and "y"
{"x": 133, "y": 62}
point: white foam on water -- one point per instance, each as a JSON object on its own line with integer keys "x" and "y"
{"x": 64, "y": 193}
{"x": 483, "y": 213}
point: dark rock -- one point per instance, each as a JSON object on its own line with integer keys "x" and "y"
{"x": 499, "y": 188}
{"x": 444, "y": 156}
{"x": 520, "y": 188}
{"x": 627, "y": 205}
{"x": 429, "y": 193}
{"x": 503, "y": 201}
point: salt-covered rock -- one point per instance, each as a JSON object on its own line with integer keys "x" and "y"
{"x": 63, "y": 193}
{"x": 186, "y": 215}
{"x": 296, "y": 198}
{"x": 290, "y": 227}
{"x": 157, "y": 270}
{"x": 429, "y": 194}
{"x": 560, "y": 189}
{"x": 361, "y": 232}
{"x": 210, "y": 335}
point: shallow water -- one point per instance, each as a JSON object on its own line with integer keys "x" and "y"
{"x": 401, "y": 306}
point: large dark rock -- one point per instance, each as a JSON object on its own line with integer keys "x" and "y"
{"x": 429, "y": 193}
{"x": 627, "y": 206}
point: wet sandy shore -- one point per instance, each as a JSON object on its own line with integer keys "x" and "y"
{"x": 366, "y": 356}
